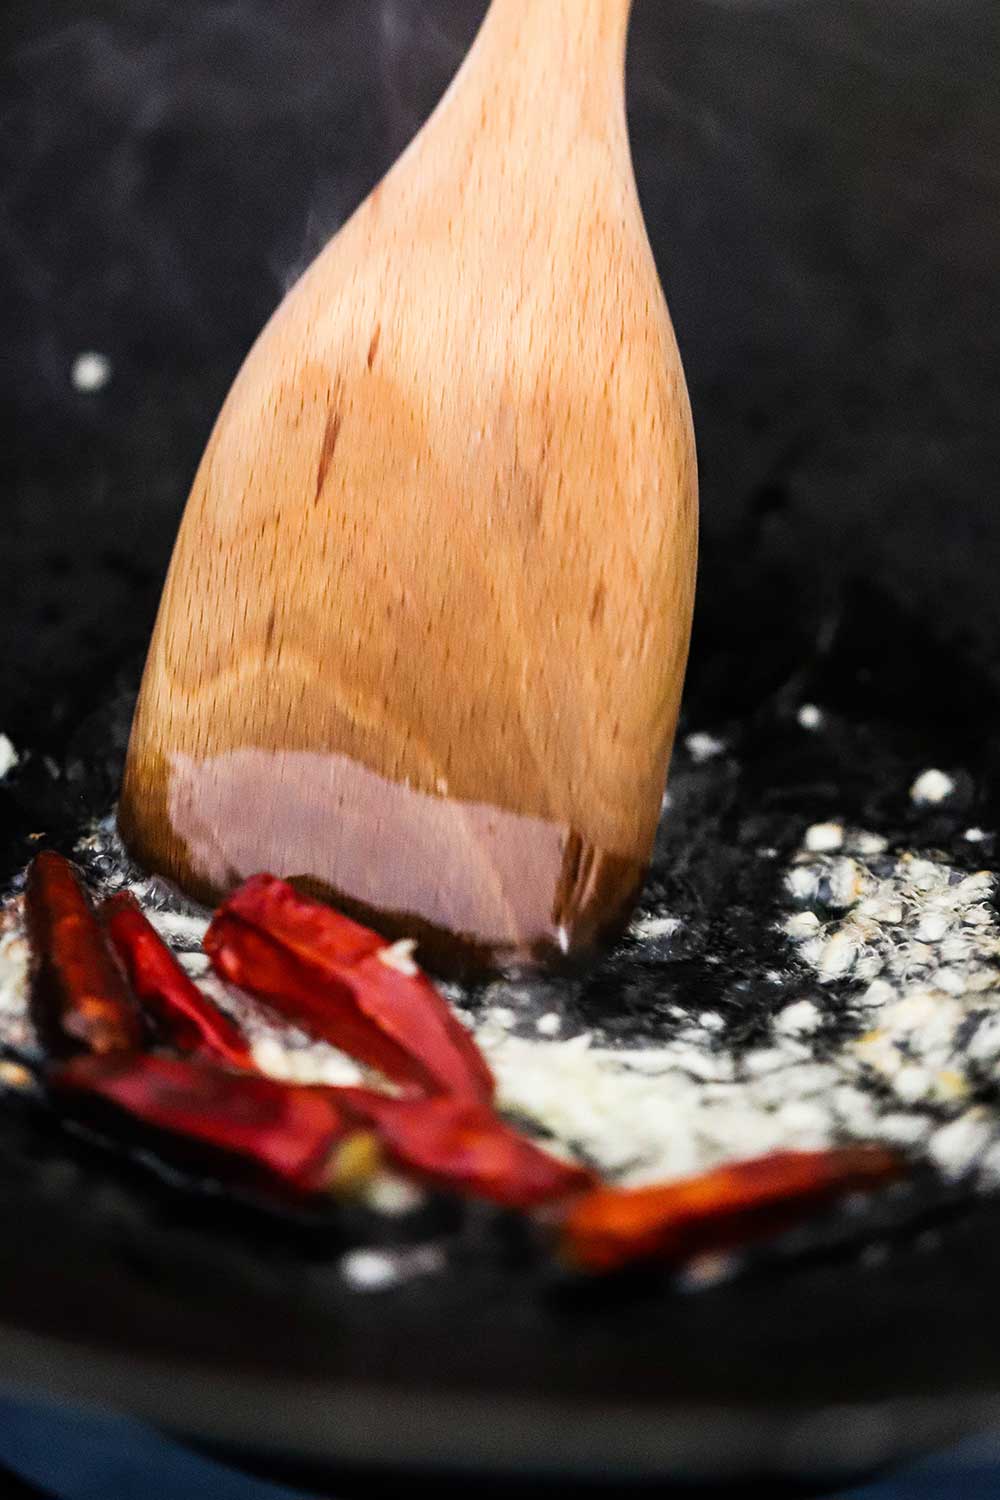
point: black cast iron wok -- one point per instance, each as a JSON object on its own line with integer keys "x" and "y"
{"x": 818, "y": 183}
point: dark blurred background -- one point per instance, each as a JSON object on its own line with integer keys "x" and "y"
{"x": 822, "y": 188}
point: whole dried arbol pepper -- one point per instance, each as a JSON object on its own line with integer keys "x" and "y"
{"x": 293, "y": 1135}
{"x": 185, "y": 1017}
{"x": 719, "y": 1210}
{"x": 317, "y": 1139}
{"x": 345, "y": 984}
{"x": 79, "y": 998}
{"x": 461, "y": 1146}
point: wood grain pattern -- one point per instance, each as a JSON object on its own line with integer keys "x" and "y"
{"x": 424, "y": 633}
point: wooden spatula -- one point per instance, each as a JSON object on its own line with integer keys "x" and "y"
{"x": 425, "y": 628}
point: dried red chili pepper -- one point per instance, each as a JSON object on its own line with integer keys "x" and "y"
{"x": 186, "y": 1018}
{"x": 719, "y": 1210}
{"x": 79, "y": 998}
{"x": 296, "y": 1135}
{"x": 461, "y": 1145}
{"x": 345, "y": 984}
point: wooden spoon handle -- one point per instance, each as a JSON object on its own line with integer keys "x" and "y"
{"x": 552, "y": 70}
{"x": 570, "y": 16}
{"x": 580, "y": 34}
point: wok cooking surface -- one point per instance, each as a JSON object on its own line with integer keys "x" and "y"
{"x": 858, "y": 1337}
{"x": 820, "y": 218}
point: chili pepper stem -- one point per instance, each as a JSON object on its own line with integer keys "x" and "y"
{"x": 352, "y": 1164}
